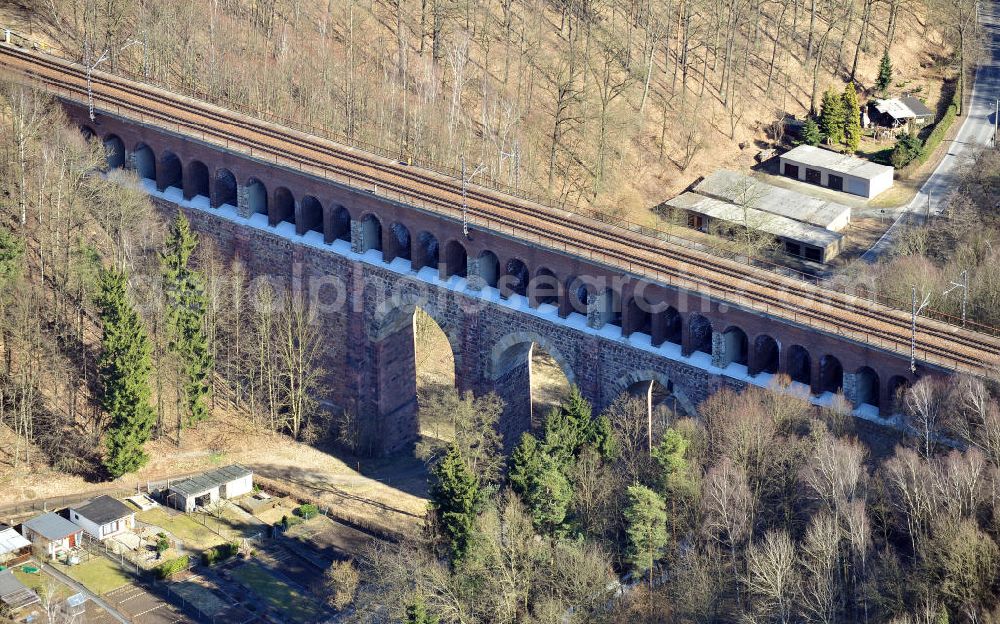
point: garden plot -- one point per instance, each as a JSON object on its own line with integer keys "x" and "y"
{"x": 98, "y": 574}
{"x": 329, "y": 540}
{"x": 186, "y": 528}
{"x": 278, "y": 594}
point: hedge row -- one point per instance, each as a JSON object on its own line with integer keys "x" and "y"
{"x": 168, "y": 568}
{"x": 940, "y": 130}
{"x": 219, "y": 553}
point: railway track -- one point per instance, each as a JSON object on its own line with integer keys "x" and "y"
{"x": 827, "y": 310}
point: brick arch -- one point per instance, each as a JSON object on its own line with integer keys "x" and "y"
{"x": 628, "y": 380}
{"x": 391, "y": 331}
{"x": 114, "y": 151}
{"x": 765, "y": 354}
{"x": 515, "y": 277}
{"x": 282, "y": 207}
{"x": 426, "y": 251}
{"x": 371, "y": 232}
{"x": 225, "y": 190}
{"x": 514, "y": 339}
{"x": 143, "y": 161}
{"x": 169, "y": 171}
{"x": 455, "y": 259}
{"x": 196, "y": 179}
{"x": 401, "y": 306}
{"x": 544, "y": 288}
{"x": 400, "y": 242}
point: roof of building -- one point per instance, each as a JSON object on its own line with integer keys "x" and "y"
{"x": 104, "y": 509}
{"x": 194, "y": 486}
{"x": 839, "y": 163}
{"x": 52, "y": 526}
{"x": 739, "y": 188}
{"x": 15, "y": 593}
{"x": 12, "y": 541}
{"x": 906, "y": 107}
{"x": 773, "y": 224}
{"x": 919, "y": 108}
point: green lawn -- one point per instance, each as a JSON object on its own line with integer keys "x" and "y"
{"x": 99, "y": 575}
{"x": 183, "y": 527}
{"x": 293, "y": 604}
{"x": 42, "y": 583}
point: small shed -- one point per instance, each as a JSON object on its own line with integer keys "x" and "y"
{"x": 742, "y": 189}
{"x": 15, "y": 594}
{"x": 795, "y": 237}
{"x": 15, "y": 549}
{"x": 204, "y": 489}
{"x": 895, "y": 112}
{"x": 52, "y": 534}
{"x": 836, "y": 171}
{"x": 104, "y": 517}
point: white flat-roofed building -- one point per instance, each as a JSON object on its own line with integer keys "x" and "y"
{"x": 840, "y": 172}
{"x": 742, "y": 189}
{"x": 796, "y": 238}
{"x": 205, "y": 489}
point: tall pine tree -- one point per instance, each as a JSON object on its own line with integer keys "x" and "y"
{"x": 645, "y": 528}
{"x": 124, "y": 366}
{"x": 457, "y": 499}
{"x": 185, "y": 297}
{"x": 852, "y": 118}
{"x": 831, "y": 117}
{"x": 537, "y": 477}
{"x": 884, "y": 80}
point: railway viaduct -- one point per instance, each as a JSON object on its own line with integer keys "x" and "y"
{"x": 369, "y": 240}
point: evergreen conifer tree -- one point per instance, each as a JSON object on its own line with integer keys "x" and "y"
{"x": 884, "y": 80}
{"x": 417, "y": 613}
{"x": 831, "y": 117}
{"x": 540, "y": 481}
{"x": 675, "y": 470}
{"x": 456, "y": 497}
{"x": 811, "y": 134}
{"x": 185, "y": 297}
{"x": 852, "y": 118}
{"x": 124, "y": 366}
{"x": 645, "y": 528}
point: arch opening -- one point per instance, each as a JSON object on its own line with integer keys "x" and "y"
{"x": 256, "y": 197}
{"x": 340, "y": 224}
{"x": 831, "y": 374}
{"x": 866, "y": 387}
{"x": 544, "y": 289}
{"x": 171, "y": 171}
{"x": 673, "y": 326}
{"x": 765, "y": 355}
{"x": 428, "y": 251}
{"x": 283, "y": 207}
{"x": 224, "y": 193}
{"x": 196, "y": 180}
{"x": 371, "y": 234}
{"x": 659, "y": 402}
{"x": 114, "y": 152}
{"x": 531, "y": 381}
{"x": 88, "y": 133}
{"x": 735, "y": 343}
{"x": 488, "y": 269}
{"x": 799, "y": 366}
{"x": 144, "y": 162}
{"x": 434, "y": 366}
{"x": 700, "y": 333}
{"x": 416, "y": 378}
{"x": 640, "y": 317}
{"x": 401, "y": 246}
{"x": 312, "y": 215}
{"x": 456, "y": 261}
{"x": 515, "y": 278}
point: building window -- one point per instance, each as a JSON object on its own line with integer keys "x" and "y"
{"x": 813, "y": 176}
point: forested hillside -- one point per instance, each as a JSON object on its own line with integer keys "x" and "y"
{"x": 609, "y": 104}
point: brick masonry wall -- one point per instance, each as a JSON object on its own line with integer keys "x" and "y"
{"x": 369, "y": 338}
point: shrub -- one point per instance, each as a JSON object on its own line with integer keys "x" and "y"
{"x": 168, "y": 568}
{"x": 219, "y": 553}
{"x": 307, "y": 510}
{"x": 906, "y": 150}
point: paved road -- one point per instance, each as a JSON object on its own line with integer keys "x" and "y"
{"x": 975, "y": 133}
